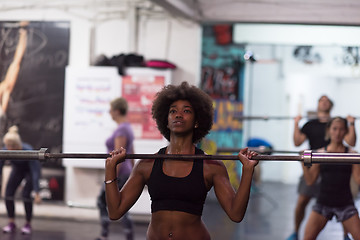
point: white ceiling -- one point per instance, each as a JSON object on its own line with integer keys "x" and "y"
{"x": 92, "y": 10}
{"x": 333, "y": 12}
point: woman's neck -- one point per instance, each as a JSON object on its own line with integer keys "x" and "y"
{"x": 120, "y": 119}
{"x": 336, "y": 147}
{"x": 180, "y": 146}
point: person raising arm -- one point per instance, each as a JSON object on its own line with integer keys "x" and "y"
{"x": 335, "y": 198}
{"x": 178, "y": 188}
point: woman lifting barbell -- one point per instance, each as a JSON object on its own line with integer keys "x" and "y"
{"x": 178, "y": 189}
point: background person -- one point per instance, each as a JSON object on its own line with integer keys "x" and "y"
{"x": 335, "y": 197}
{"x": 123, "y": 136}
{"x": 20, "y": 169}
{"x": 178, "y": 188}
{"x": 314, "y": 131}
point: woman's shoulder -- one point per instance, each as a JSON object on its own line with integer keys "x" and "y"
{"x": 123, "y": 127}
{"x": 215, "y": 166}
{"x": 145, "y": 162}
{"x": 144, "y": 165}
{"x": 209, "y": 162}
{"x": 143, "y": 168}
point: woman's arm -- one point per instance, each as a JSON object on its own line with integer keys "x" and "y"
{"x": 119, "y": 202}
{"x": 120, "y": 142}
{"x": 311, "y": 173}
{"x": 35, "y": 168}
{"x": 12, "y": 73}
{"x": 350, "y": 137}
{"x": 356, "y": 173}
{"x": 298, "y": 137}
{"x": 235, "y": 203}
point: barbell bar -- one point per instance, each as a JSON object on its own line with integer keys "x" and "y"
{"x": 266, "y": 118}
{"x": 242, "y": 118}
{"x": 265, "y": 150}
{"x": 308, "y": 157}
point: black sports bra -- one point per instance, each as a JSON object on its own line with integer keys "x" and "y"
{"x": 186, "y": 194}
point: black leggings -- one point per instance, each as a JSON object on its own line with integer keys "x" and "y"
{"x": 18, "y": 173}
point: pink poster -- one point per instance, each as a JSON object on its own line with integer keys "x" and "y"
{"x": 140, "y": 91}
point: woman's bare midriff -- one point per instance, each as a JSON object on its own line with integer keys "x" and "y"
{"x": 174, "y": 225}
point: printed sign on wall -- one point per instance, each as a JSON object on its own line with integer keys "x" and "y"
{"x": 140, "y": 91}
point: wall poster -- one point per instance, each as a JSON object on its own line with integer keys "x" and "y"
{"x": 140, "y": 91}
{"x": 33, "y": 56}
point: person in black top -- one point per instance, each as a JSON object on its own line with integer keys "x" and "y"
{"x": 334, "y": 198}
{"x": 314, "y": 132}
{"x": 178, "y": 188}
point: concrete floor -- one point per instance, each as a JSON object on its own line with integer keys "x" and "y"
{"x": 269, "y": 217}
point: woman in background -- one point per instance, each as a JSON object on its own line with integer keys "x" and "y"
{"x": 20, "y": 169}
{"x": 335, "y": 197}
{"x": 123, "y": 136}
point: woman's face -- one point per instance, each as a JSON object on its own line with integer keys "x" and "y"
{"x": 113, "y": 113}
{"x": 337, "y": 131}
{"x": 181, "y": 117}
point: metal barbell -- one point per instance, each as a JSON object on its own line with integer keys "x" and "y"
{"x": 308, "y": 157}
{"x": 263, "y": 150}
{"x": 243, "y": 118}
{"x": 266, "y": 118}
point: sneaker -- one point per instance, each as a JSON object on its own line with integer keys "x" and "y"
{"x": 10, "y": 228}
{"x": 26, "y": 229}
{"x": 293, "y": 236}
